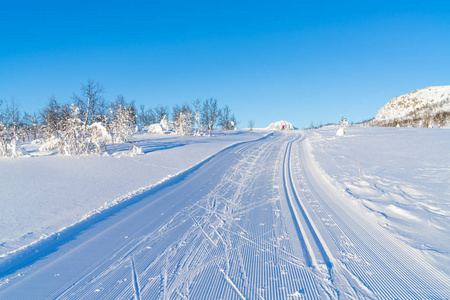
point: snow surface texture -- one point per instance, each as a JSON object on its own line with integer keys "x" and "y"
{"x": 429, "y": 105}
{"x": 279, "y": 126}
{"x": 405, "y": 180}
{"x": 44, "y": 193}
{"x": 259, "y": 220}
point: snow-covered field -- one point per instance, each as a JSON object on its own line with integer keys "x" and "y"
{"x": 44, "y": 193}
{"x": 286, "y": 216}
{"x": 405, "y": 180}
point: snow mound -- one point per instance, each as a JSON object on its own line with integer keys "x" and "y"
{"x": 155, "y": 128}
{"x": 279, "y": 126}
{"x": 162, "y": 127}
{"x": 425, "y": 108}
{"x": 340, "y": 132}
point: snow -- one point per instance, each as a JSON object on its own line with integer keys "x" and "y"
{"x": 340, "y": 131}
{"x": 405, "y": 180}
{"x": 279, "y": 126}
{"x": 290, "y": 215}
{"x": 154, "y": 128}
{"x": 44, "y": 193}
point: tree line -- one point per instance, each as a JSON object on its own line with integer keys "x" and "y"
{"x": 89, "y": 123}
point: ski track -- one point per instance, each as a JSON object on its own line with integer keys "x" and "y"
{"x": 373, "y": 262}
{"x": 255, "y": 222}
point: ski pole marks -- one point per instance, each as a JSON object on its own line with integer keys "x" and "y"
{"x": 228, "y": 231}
{"x": 231, "y": 243}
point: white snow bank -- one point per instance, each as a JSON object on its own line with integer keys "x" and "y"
{"x": 279, "y": 126}
{"x": 44, "y": 193}
{"x": 161, "y": 128}
{"x": 404, "y": 180}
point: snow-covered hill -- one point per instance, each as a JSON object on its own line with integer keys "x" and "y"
{"x": 425, "y": 107}
{"x": 279, "y": 126}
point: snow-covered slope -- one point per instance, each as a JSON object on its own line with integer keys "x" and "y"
{"x": 261, "y": 220}
{"x": 44, "y": 193}
{"x": 402, "y": 180}
{"x": 424, "y": 107}
{"x": 279, "y": 126}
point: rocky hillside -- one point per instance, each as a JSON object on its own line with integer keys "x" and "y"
{"x": 421, "y": 108}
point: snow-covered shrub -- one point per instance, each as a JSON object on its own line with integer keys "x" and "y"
{"x": 15, "y": 150}
{"x": 165, "y": 124}
{"x": 11, "y": 131}
{"x": 9, "y": 146}
{"x": 340, "y": 131}
{"x": 183, "y": 123}
{"x": 123, "y": 118}
{"x": 98, "y": 136}
{"x": 136, "y": 150}
{"x": 342, "y": 124}
{"x": 196, "y": 117}
{"x": 69, "y": 139}
{"x": 52, "y": 143}
{"x": 75, "y": 138}
{"x": 162, "y": 127}
{"x": 3, "y": 140}
{"x": 154, "y": 128}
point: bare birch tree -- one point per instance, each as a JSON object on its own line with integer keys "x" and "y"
{"x": 87, "y": 102}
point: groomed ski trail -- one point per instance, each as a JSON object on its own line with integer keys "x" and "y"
{"x": 257, "y": 221}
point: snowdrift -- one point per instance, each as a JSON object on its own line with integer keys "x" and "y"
{"x": 162, "y": 127}
{"x": 279, "y": 126}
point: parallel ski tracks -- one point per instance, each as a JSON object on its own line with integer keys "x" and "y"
{"x": 225, "y": 236}
{"x": 374, "y": 263}
{"x": 315, "y": 251}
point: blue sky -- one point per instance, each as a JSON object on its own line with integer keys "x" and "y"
{"x": 301, "y": 61}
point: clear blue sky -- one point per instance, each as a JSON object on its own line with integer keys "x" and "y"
{"x": 301, "y": 61}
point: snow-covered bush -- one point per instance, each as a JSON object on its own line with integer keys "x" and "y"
{"x": 69, "y": 139}
{"x": 15, "y": 150}
{"x": 154, "y": 128}
{"x": 183, "y": 123}
{"x": 162, "y": 127}
{"x": 9, "y": 146}
{"x": 75, "y": 138}
{"x": 165, "y": 124}
{"x": 3, "y": 140}
{"x": 123, "y": 118}
{"x": 196, "y": 117}
{"x": 342, "y": 124}
{"x": 98, "y": 136}
{"x": 11, "y": 131}
{"x": 136, "y": 150}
